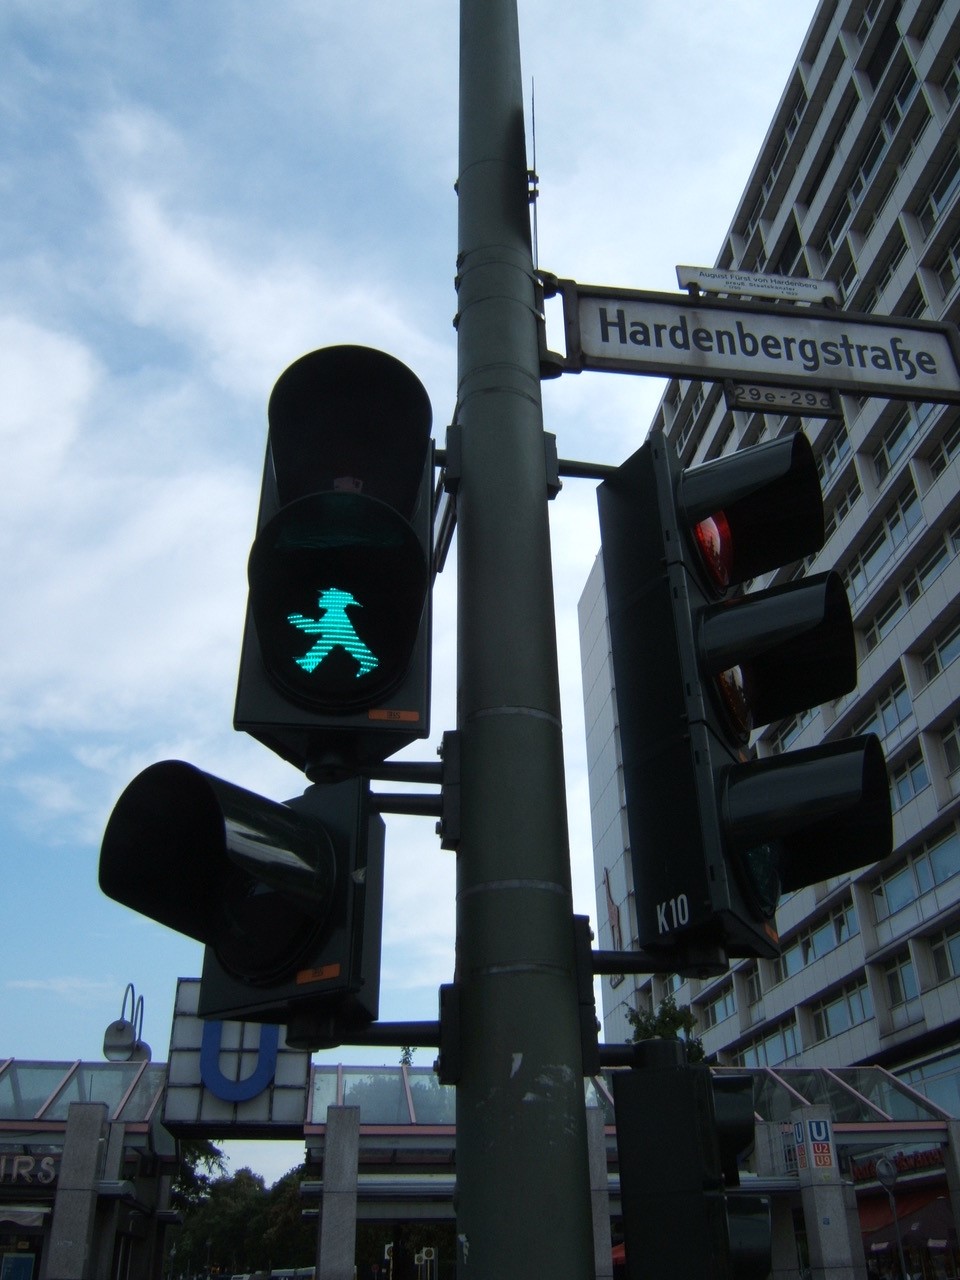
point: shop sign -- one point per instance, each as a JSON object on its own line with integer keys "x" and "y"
{"x": 22, "y": 1170}
{"x": 906, "y": 1162}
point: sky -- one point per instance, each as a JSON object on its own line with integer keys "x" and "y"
{"x": 191, "y": 197}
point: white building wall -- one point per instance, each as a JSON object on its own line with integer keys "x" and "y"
{"x": 858, "y": 181}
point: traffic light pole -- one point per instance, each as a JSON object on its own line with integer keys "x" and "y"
{"x": 523, "y": 1198}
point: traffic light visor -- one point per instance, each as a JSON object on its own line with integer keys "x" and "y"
{"x": 250, "y": 878}
{"x": 813, "y": 814}
{"x": 349, "y": 413}
{"x": 754, "y": 510}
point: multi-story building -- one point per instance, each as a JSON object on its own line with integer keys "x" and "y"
{"x": 858, "y": 183}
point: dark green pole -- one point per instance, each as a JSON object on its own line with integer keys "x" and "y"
{"x": 523, "y": 1196}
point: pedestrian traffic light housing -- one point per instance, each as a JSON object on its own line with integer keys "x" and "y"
{"x": 715, "y": 834}
{"x": 335, "y": 667}
{"x": 681, "y": 1133}
{"x": 286, "y": 898}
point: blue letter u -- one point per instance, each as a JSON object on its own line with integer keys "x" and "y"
{"x": 253, "y": 1084}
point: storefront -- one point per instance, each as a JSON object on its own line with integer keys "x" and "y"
{"x": 85, "y": 1169}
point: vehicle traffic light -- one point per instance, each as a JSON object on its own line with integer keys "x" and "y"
{"x": 681, "y": 1132}
{"x": 715, "y": 835}
{"x": 287, "y": 898}
{"x": 335, "y": 668}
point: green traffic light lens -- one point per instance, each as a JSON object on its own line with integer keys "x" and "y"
{"x": 338, "y": 585}
{"x": 759, "y": 874}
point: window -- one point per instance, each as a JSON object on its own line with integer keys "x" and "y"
{"x": 722, "y": 1006}
{"x": 833, "y": 453}
{"x": 950, "y": 84}
{"x": 901, "y": 980}
{"x": 947, "y": 269}
{"x": 941, "y": 652}
{"x": 894, "y": 442}
{"x": 884, "y": 620}
{"x": 751, "y": 981}
{"x": 791, "y": 729}
{"x": 840, "y": 508}
{"x": 883, "y": 50}
{"x": 894, "y": 892}
{"x": 816, "y": 941}
{"x": 886, "y": 271}
{"x": 891, "y": 709}
{"x": 939, "y": 860}
{"x": 903, "y": 516}
{"x": 950, "y": 738}
{"x": 934, "y": 863}
{"x": 939, "y": 194}
{"x": 771, "y": 1049}
{"x": 945, "y": 947}
{"x": 908, "y": 781}
{"x": 753, "y": 218}
{"x": 847, "y": 1008}
{"x": 868, "y": 19}
{"x": 790, "y": 260}
{"x": 842, "y": 120}
{"x": 945, "y": 450}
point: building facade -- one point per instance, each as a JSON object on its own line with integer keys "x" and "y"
{"x": 858, "y": 183}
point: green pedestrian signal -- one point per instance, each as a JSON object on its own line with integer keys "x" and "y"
{"x": 334, "y": 631}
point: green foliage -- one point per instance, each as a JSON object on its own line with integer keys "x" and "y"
{"x": 237, "y": 1225}
{"x": 668, "y": 1023}
{"x": 199, "y": 1161}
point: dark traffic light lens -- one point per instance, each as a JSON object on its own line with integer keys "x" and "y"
{"x": 733, "y": 697}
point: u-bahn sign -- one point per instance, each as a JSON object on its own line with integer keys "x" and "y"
{"x": 673, "y": 335}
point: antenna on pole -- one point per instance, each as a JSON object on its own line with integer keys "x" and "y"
{"x": 533, "y": 189}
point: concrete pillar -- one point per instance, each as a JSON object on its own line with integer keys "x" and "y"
{"x": 599, "y": 1194}
{"x": 69, "y": 1255}
{"x": 111, "y": 1170}
{"x": 337, "y": 1231}
{"x": 829, "y": 1204}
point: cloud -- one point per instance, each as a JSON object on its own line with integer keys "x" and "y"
{"x": 85, "y": 992}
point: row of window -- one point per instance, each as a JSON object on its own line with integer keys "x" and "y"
{"x": 852, "y": 1004}
{"x": 872, "y": 153}
{"x": 836, "y": 257}
{"x": 935, "y": 862}
{"x": 912, "y": 586}
{"x": 816, "y": 941}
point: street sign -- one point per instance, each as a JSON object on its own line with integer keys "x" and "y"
{"x": 750, "y": 284}
{"x": 673, "y": 335}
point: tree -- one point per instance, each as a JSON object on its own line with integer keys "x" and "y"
{"x": 200, "y": 1160}
{"x": 668, "y": 1023}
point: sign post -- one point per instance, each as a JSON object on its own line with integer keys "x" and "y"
{"x": 523, "y": 1186}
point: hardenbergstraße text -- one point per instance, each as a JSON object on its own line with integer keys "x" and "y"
{"x": 811, "y": 353}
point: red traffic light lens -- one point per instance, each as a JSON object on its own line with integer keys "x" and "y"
{"x": 733, "y": 695}
{"x": 715, "y": 544}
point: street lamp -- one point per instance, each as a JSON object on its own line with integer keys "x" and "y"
{"x": 123, "y": 1039}
{"x": 887, "y": 1177}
